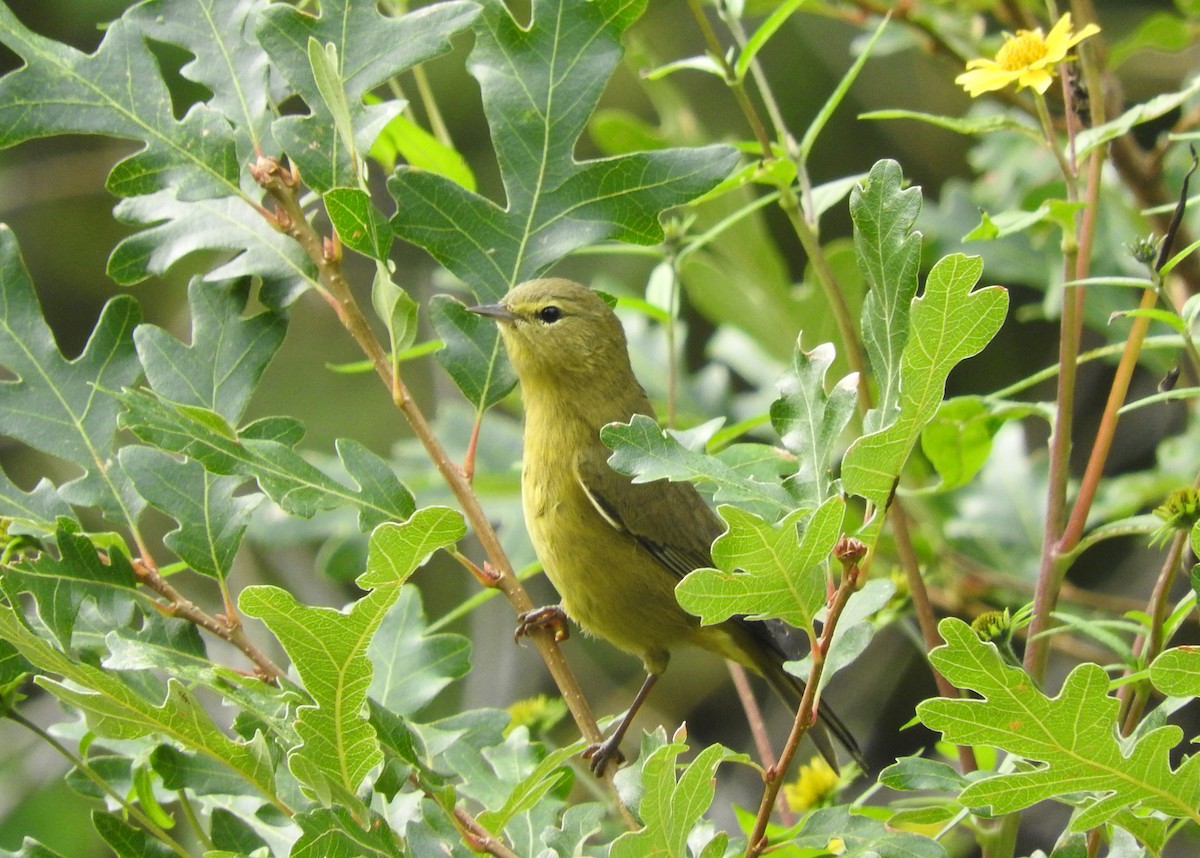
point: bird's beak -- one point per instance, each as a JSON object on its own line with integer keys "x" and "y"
{"x": 496, "y": 311}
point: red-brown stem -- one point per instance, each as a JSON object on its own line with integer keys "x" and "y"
{"x": 806, "y": 714}
{"x": 1049, "y": 579}
{"x": 758, "y": 729}
{"x": 926, "y": 618}
{"x": 1108, "y": 426}
{"x": 229, "y": 629}
{"x": 1133, "y": 696}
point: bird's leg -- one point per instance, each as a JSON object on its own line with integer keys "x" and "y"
{"x": 548, "y": 617}
{"x": 610, "y": 748}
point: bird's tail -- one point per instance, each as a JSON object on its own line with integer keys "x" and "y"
{"x": 791, "y": 690}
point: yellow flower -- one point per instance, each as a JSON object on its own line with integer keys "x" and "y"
{"x": 1028, "y": 59}
{"x": 815, "y": 783}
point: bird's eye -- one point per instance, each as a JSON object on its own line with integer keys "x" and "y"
{"x": 549, "y": 314}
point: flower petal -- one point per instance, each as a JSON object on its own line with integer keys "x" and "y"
{"x": 1038, "y": 79}
{"x": 981, "y": 80}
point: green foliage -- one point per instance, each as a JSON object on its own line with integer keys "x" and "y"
{"x": 159, "y": 492}
{"x": 1074, "y": 736}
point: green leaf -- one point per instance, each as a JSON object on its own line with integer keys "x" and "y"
{"x": 287, "y": 478}
{"x": 30, "y": 848}
{"x": 1071, "y": 739}
{"x": 323, "y": 61}
{"x": 958, "y": 438}
{"x": 54, "y": 405}
{"x": 115, "y": 92}
{"x": 809, "y": 421}
{"x": 472, "y": 352}
{"x": 1057, "y": 212}
{"x": 33, "y": 513}
{"x": 370, "y": 48}
{"x": 125, "y": 840}
{"x": 764, "y": 571}
{"x": 359, "y": 225}
{"x": 334, "y": 833}
{"x": 404, "y": 138}
{"x": 647, "y": 453}
{"x": 232, "y": 67}
{"x": 411, "y": 667}
{"x": 227, "y": 356}
{"x": 921, "y": 773}
{"x": 1176, "y": 672}
{"x": 328, "y": 649}
{"x": 978, "y": 124}
{"x": 540, "y": 83}
{"x": 176, "y": 229}
{"x": 1157, "y": 31}
{"x": 949, "y": 324}
{"x": 212, "y": 517}
{"x": 114, "y": 709}
{"x": 232, "y": 834}
{"x": 62, "y": 585}
{"x": 398, "y": 549}
{"x": 1090, "y": 138}
{"x": 759, "y": 38}
{"x": 551, "y": 773}
{"x": 203, "y": 776}
{"x": 673, "y": 804}
{"x": 861, "y": 836}
{"x": 889, "y": 255}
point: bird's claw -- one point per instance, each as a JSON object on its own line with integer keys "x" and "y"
{"x": 600, "y": 754}
{"x": 550, "y": 617}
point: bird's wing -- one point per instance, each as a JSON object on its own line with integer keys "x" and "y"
{"x": 672, "y": 522}
{"x": 669, "y": 520}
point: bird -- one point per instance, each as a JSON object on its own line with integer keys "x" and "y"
{"x": 614, "y": 549}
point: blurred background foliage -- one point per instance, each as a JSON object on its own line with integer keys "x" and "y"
{"x": 736, "y": 342}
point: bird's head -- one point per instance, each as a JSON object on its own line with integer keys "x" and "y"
{"x": 561, "y": 333}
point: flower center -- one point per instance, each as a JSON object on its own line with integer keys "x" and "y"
{"x": 1021, "y": 51}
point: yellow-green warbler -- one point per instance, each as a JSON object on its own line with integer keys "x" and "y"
{"x": 615, "y": 549}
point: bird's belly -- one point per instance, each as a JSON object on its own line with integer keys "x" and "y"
{"x": 608, "y": 584}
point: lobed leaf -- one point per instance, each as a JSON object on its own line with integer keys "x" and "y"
{"x": 949, "y": 323}
{"x": 115, "y": 709}
{"x": 54, "y": 404}
{"x": 115, "y": 92}
{"x": 175, "y": 228}
{"x": 673, "y": 804}
{"x": 228, "y": 354}
{"x": 809, "y": 421}
{"x": 540, "y": 83}
{"x": 889, "y": 255}
{"x": 370, "y": 48}
{"x": 766, "y": 571}
{"x": 283, "y": 474}
{"x": 646, "y": 452}
{"x": 335, "y": 833}
{"x": 1071, "y": 740}
{"x": 471, "y": 352}
{"x": 62, "y": 585}
{"x": 328, "y": 649}
{"x": 211, "y": 516}
{"x": 225, "y": 60}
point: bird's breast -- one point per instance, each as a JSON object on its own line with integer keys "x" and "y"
{"x": 608, "y": 583}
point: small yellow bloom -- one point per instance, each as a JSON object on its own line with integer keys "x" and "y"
{"x": 1028, "y": 59}
{"x": 815, "y": 783}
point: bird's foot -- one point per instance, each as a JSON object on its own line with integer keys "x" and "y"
{"x": 602, "y": 753}
{"x": 550, "y": 617}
